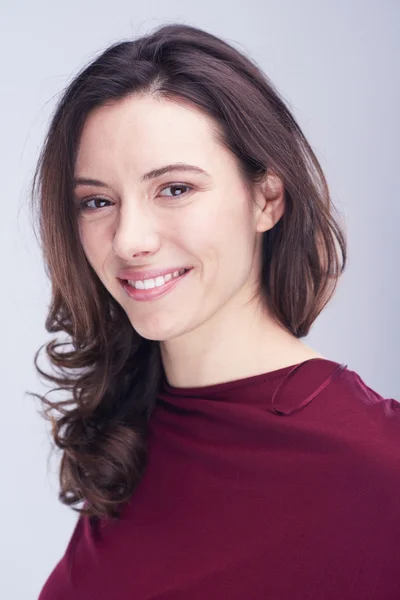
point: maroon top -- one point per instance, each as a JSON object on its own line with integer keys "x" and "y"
{"x": 284, "y": 486}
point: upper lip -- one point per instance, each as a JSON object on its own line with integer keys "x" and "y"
{"x": 134, "y": 274}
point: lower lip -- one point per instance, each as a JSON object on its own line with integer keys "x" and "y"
{"x": 152, "y": 293}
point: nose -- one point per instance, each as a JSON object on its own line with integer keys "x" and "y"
{"x": 135, "y": 232}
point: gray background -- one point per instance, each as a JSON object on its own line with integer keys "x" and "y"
{"x": 335, "y": 62}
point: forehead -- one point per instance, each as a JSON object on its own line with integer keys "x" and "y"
{"x": 140, "y": 132}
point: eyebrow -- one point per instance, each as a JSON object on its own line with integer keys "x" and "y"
{"x": 153, "y": 174}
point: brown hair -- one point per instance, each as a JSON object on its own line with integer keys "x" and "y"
{"x": 111, "y": 373}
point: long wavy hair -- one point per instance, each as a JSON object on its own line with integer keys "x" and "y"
{"x": 111, "y": 374}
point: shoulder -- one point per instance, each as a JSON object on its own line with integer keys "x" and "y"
{"x": 333, "y": 402}
{"x": 338, "y": 387}
{"x": 373, "y": 418}
{"x": 352, "y": 393}
{"x": 324, "y": 378}
{"x": 366, "y": 424}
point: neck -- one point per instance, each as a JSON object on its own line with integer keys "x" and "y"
{"x": 226, "y": 348}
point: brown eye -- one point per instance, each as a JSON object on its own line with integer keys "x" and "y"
{"x": 176, "y": 186}
{"x": 84, "y": 205}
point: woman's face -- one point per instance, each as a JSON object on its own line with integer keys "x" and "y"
{"x": 203, "y": 221}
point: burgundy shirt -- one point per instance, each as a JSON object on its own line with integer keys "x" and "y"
{"x": 279, "y": 486}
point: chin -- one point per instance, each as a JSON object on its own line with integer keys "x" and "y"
{"x": 156, "y": 331}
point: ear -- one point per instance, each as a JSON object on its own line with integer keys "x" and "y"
{"x": 269, "y": 201}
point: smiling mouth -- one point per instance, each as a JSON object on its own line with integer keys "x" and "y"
{"x": 155, "y": 282}
{"x": 153, "y": 291}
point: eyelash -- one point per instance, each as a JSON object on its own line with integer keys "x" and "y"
{"x": 82, "y": 206}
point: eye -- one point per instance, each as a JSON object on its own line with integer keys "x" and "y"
{"x": 98, "y": 202}
{"x": 178, "y": 186}
{"x": 84, "y": 205}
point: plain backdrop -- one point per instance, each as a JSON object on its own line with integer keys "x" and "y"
{"x": 336, "y": 64}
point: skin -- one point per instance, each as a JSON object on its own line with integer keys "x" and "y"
{"x": 209, "y": 327}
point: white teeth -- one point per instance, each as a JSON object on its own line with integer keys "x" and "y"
{"x": 146, "y": 284}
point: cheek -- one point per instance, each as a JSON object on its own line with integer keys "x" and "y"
{"x": 220, "y": 242}
{"x": 93, "y": 244}
{"x": 86, "y": 241}
{"x": 200, "y": 237}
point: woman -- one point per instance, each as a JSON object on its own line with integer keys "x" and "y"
{"x": 191, "y": 243}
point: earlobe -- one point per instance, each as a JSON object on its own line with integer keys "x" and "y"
{"x": 270, "y": 201}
